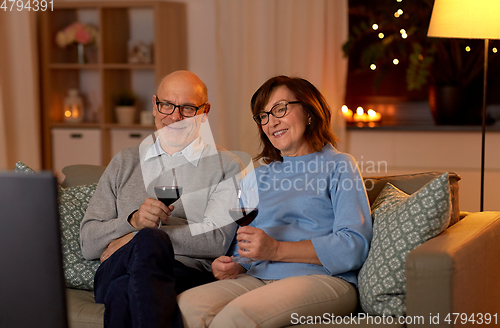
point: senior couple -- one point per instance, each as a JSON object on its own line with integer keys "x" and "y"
{"x": 306, "y": 244}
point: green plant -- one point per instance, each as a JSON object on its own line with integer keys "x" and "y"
{"x": 125, "y": 98}
{"x": 427, "y": 60}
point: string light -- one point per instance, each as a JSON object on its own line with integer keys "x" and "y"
{"x": 381, "y": 35}
{"x": 495, "y": 50}
{"x": 467, "y": 49}
{"x": 398, "y": 13}
{"x": 375, "y": 27}
{"x": 359, "y": 110}
{"x": 373, "y": 67}
{"x": 344, "y": 109}
{"x": 399, "y": 0}
{"x": 395, "y": 61}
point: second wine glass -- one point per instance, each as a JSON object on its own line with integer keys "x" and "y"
{"x": 244, "y": 212}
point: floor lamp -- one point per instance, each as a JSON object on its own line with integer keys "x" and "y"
{"x": 469, "y": 19}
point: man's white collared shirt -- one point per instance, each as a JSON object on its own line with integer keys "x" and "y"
{"x": 192, "y": 152}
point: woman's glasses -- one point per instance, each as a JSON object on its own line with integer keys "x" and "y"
{"x": 279, "y": 110}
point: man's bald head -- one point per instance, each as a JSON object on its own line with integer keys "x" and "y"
{"x": 184, "y": 80}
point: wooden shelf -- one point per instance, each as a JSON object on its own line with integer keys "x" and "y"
{"x": 129, "y": 126}
{"x": 161, "y": 23}
{"x": 128, "y": 66}
{"x": 75, "y": 125}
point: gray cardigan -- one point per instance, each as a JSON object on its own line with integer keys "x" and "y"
{"x": 200, "y": 227}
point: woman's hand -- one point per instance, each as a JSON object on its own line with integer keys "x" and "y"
{"x": 115, "y": 245}
{"x": 256, "y": 244}
{"x": 223, "y": 267}
{"x": 150, "y": 213}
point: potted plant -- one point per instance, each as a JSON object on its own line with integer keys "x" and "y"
{"x": 125, "y": 109}
{"x": 451, "y": 69}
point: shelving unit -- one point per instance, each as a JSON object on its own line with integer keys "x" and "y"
{"x": 100, "y": 81}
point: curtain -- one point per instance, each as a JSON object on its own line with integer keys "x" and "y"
{"x": 258, "y": 39}
{"x": 20, "y": 131}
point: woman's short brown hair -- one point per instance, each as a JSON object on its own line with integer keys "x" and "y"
{"x": 317, "y": 134}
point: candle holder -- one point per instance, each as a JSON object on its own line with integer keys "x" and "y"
{"x": 360, "y": 117}
{"x": 73, "y": 107}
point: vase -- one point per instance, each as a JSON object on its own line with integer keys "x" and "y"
{"x": 448, "y": 104}
{"x": 81, "y": 54}
{"x": 456, "y": 105}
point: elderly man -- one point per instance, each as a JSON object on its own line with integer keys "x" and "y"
{"x": 143, "y": 267}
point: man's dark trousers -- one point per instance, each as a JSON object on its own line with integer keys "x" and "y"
{"x": 140, "y": 282}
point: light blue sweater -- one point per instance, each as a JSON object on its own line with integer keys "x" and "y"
{"x": 319, "y": 197}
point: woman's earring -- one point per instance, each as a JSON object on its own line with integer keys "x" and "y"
{"x": 309, "y": 121}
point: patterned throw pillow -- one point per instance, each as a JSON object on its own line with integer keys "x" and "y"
{"x": 401, "y": 223}
{"x": 23, "y": 168}
{"x": 78, "y": 272}
{"x": 73, "y": 202}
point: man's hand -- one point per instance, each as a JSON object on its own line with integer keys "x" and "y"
{"x": 254, "y": 243}
{"x": 115, "y": 245}
{"x": 223, "y": 267}
{"x": 150, "y": 213}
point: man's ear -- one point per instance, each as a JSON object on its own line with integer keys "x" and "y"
{"x": 206, "y": 110}
{"x": 153, "y": 101}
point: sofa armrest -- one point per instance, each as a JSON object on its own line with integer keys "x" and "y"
{"x": 457, "y": 271}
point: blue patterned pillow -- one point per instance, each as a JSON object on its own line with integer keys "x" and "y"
{"x": 78, "y": 272}
{"x": 400, "y": 223}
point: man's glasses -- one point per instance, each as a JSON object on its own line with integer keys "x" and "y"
{"x": 279, "y": 110}
{"x": 168, "y": 108}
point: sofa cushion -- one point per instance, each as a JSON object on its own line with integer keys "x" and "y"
{"x": 409, "y": 183}
{"x": 78, "y": 272}
{"x": 81, "y": 174}
{"x": 83, "y": 312}
{"x": 401, "y": 223}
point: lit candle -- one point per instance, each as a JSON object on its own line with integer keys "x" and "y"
{"x": 347, "y": 113}
{"x": 373, "y": 116}
{"x": 360, "y": 115}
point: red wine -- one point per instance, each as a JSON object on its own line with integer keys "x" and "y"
{"x": 168, "y": 194}
{"x": 243, "y": 216}
{"x": 167, "y": 201}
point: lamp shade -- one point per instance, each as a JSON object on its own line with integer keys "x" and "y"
{"x": 467, "y": 19}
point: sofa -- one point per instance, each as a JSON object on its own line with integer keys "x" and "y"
{"x": 448, "y": 278}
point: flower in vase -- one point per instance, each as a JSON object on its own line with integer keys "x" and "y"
{"x": 76, "y": 33}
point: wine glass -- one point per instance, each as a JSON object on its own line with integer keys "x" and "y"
{"x": 167, "y": 190}
{"x": 244, "y": 212}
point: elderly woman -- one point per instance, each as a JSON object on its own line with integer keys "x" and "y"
{"x": 312, "y": 231}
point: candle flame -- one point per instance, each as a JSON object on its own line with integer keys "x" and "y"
{"x": 75, "y": 112}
